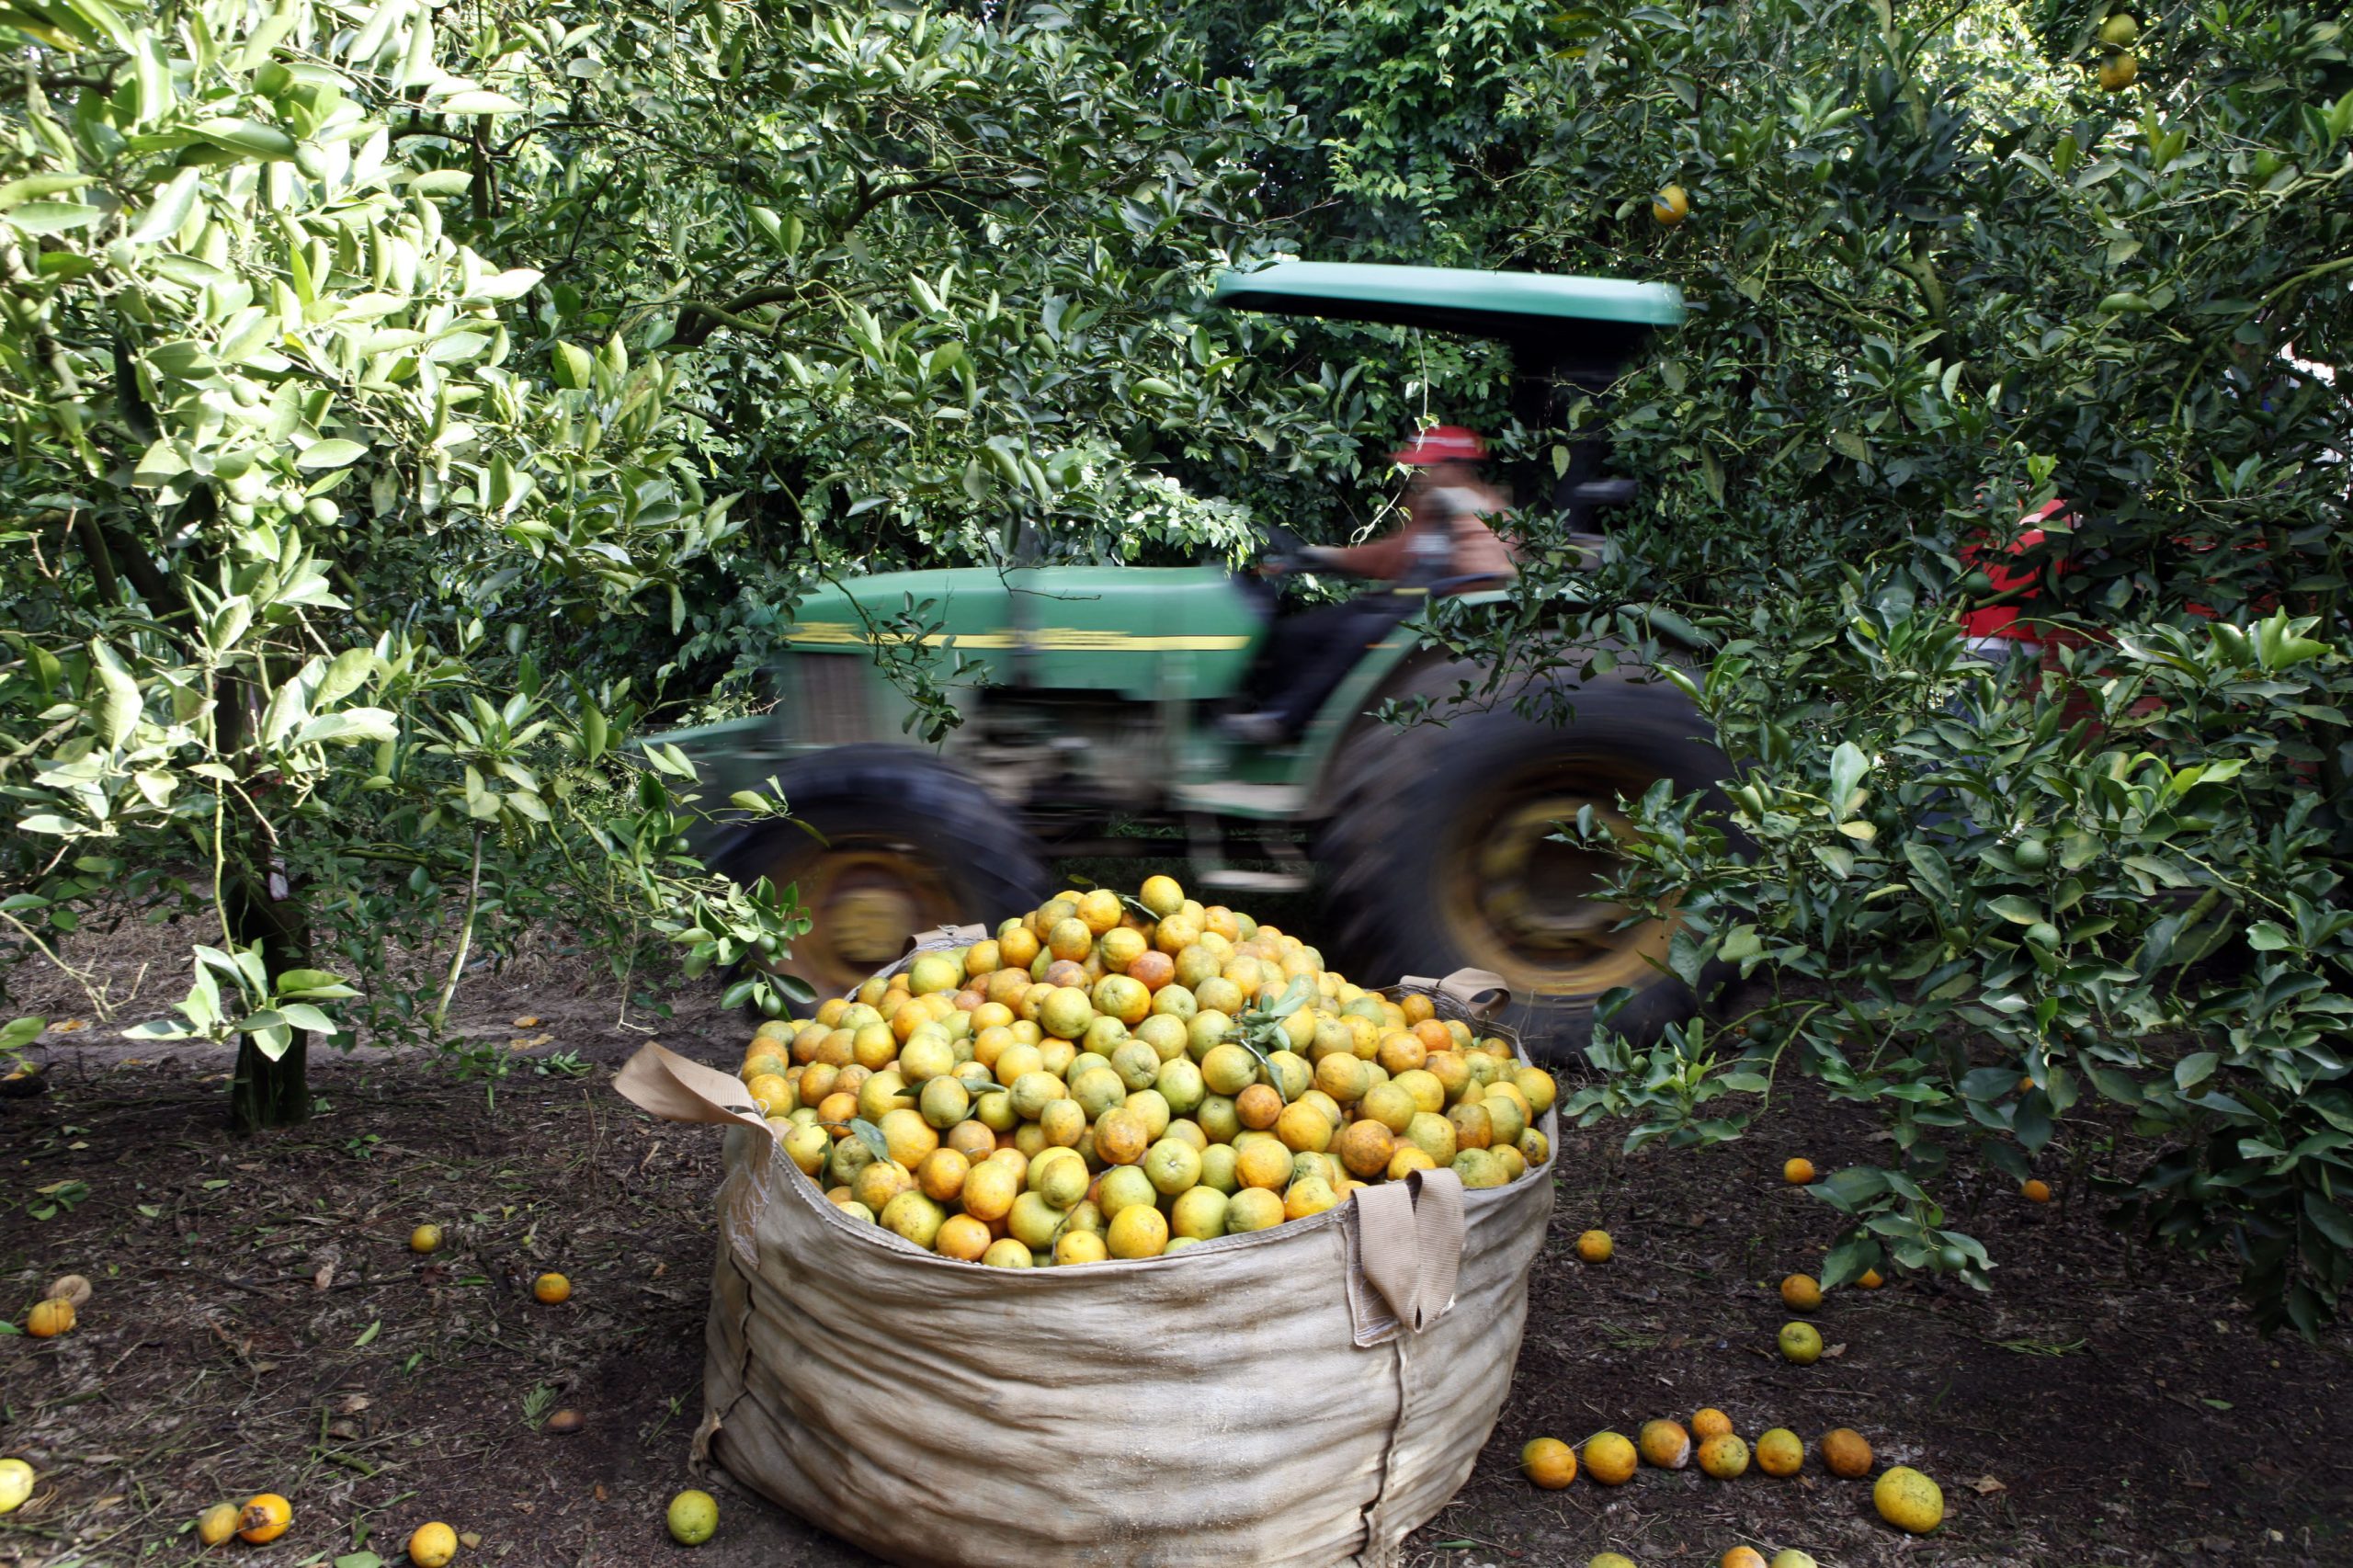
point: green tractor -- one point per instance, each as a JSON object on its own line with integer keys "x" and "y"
{"x": 1097, "y": 702}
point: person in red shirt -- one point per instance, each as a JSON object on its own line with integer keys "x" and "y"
{"x": 1448, "y": 545}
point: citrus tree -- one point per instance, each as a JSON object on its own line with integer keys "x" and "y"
{"x": 302, "y": 498}
{"x": 2078, "y": 922}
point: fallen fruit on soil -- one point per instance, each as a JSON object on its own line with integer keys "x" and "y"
{"x": 50, "y": 1318}
{"x": 693, "y": 1517}
{"x": 1845, "y": 1453}
{"x": 1741, "y": 1557}
{"x": 2036, "y": 1191}
{"x": 1665, "y": 1444}
{"x": 1595, "y": 1246}
{"x": 425, "y": 1238}
{"x": 1780, "y": 1452}
{"x": 1709, "y": 1423}
{"x": 1724, "y": 1458}
{"x": 1790, "y": 1557}
{"x": 1612, "y": 1559}
{"x": 16, "y": 1484}
{"x": 1908, "y": 1500}
{"x": 551, "y": 1288}
{"x": 1801, "y": 1343}
{"x": 1608, "y": 1459}
{"x": 1798, "y": 1172}
{"x": 1869, "y": 1279}
{"x": 1549, "y": 1462}
{"x": 1801, "y": 1293}
{"x": 217, "y": 1524}
{"x": 69, "y": 1288}
{"x": 1211, "y": 1066}
{"x": 566, "y": 1422}
{"x": 433, "y": 1545}
{"x": 264, "y": 1518}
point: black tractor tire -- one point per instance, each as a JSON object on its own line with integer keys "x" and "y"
{"x": 895, "y": 842}
{"x": 1435, "y": 854}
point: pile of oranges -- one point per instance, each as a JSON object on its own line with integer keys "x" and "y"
{"x": 1109, "y": 1077}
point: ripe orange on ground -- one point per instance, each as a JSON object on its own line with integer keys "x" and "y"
{"x": 1798, "y": 1172}
{"x": 2036, "y": 1191}
{"x": 1908, "y": 1500}
{"x": 1609, "y": 1459}
{"x": 1595, "y": 1246}
{"x": 216, "y": 1524}
{"x": 1723, "y": 1458}
{"x": 1801, "y": 1293}
{"x": 1780, "y": 1452}
{"x": 551, "y": 1288}
{"x": 1844, "y": 1452}
{"x": 1743, "y": 1557}
{"x": 1801, "y": 1343}
{"x": 433, "y": 1545}
{"x": 1869, "y": 1279}
{"x": 1665, "y": 1444}
{"x": 1549, "y": 1462}
{"x": 1709, "y": 1423}
{"x": 50, "y": 1318}
{"x": 264, "y": 1518}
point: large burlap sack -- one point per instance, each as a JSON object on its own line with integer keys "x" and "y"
{"x": 1305, "y": 1395}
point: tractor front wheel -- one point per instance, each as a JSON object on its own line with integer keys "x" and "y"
{"x": 886, "y": 842}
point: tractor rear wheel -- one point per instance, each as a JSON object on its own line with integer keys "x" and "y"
{"x": 895, "y": 842}
{"x": 1438, "y": 854}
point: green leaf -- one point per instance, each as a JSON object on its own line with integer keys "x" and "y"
{"x": 574, "y": 367}
{"x": 368, "y": 1336}
{"x": 247, "y": 136}
{"x": 113, "y": 703}
{"x": 52, "y": 217}
{"x": 335, "y": 452}
{"x": 170, "y": 208}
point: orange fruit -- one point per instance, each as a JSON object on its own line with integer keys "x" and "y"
{"x": 1844, "y": 1452}
{"x": 1549, "y": 1462}
{"x": 1801, "y": 1343}
{"x": 551, "y": 1288}
{"x": 425, "y": 1238}
{"x": 1801, "y": 1293}
{"x": 1595, "y": 1246}
{"x": 1259, "y": 1107}
{"x": 1367, "y": 1147}
{"x": 1869, "y": 1279}
{"x": 1265, "y": 1164}
{"x": 1780, "y": 1452}
{"x": 1609, "y": 1459}
{"x": 1798, "y": 1172}
{"x": 263, "y": 1517}
{"x": 1725, "y": 1457}
{"x": 1670, "y": 206}
{"x": 433, "y": 1545}
{"x": 941, "y": 1174}
{"x": 2117, "y": 73}
{"x": 216, "y": 1524}
{"x": 1162, "y": 895}
{"x": 1908, "y": 1500}
{"x": 50, "y": 1318}
{"x": 1709, "y": 1423}
{"x": 2036, "y": 1191}
{"x": 1665, "y": 1444}
{"x": 1741, "y": 1557}
{"x": 963, "y": 1237}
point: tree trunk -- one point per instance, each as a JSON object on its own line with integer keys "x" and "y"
{"x": 266, "y": 1093}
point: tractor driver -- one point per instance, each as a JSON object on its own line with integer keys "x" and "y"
{"x": 1447, "y": 543}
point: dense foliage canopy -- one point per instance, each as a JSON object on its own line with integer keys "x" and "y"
{"x": 406, "y": 402}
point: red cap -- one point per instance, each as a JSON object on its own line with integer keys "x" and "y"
{"x": 1440, "y": 444}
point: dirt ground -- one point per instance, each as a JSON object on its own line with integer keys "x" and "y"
{"x": 259, "y": 1324}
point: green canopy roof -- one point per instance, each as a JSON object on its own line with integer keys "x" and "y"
{"x": 1451, "y": 299}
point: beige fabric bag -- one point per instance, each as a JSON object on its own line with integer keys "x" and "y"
{"x": 1303, "y": 1396}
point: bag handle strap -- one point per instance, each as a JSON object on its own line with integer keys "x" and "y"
{"x": 676, "y": 1089}
{"x": 947, "y": 937}
{"x": 1468, "y": 987}
{"x": 1409, "y": 1237}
